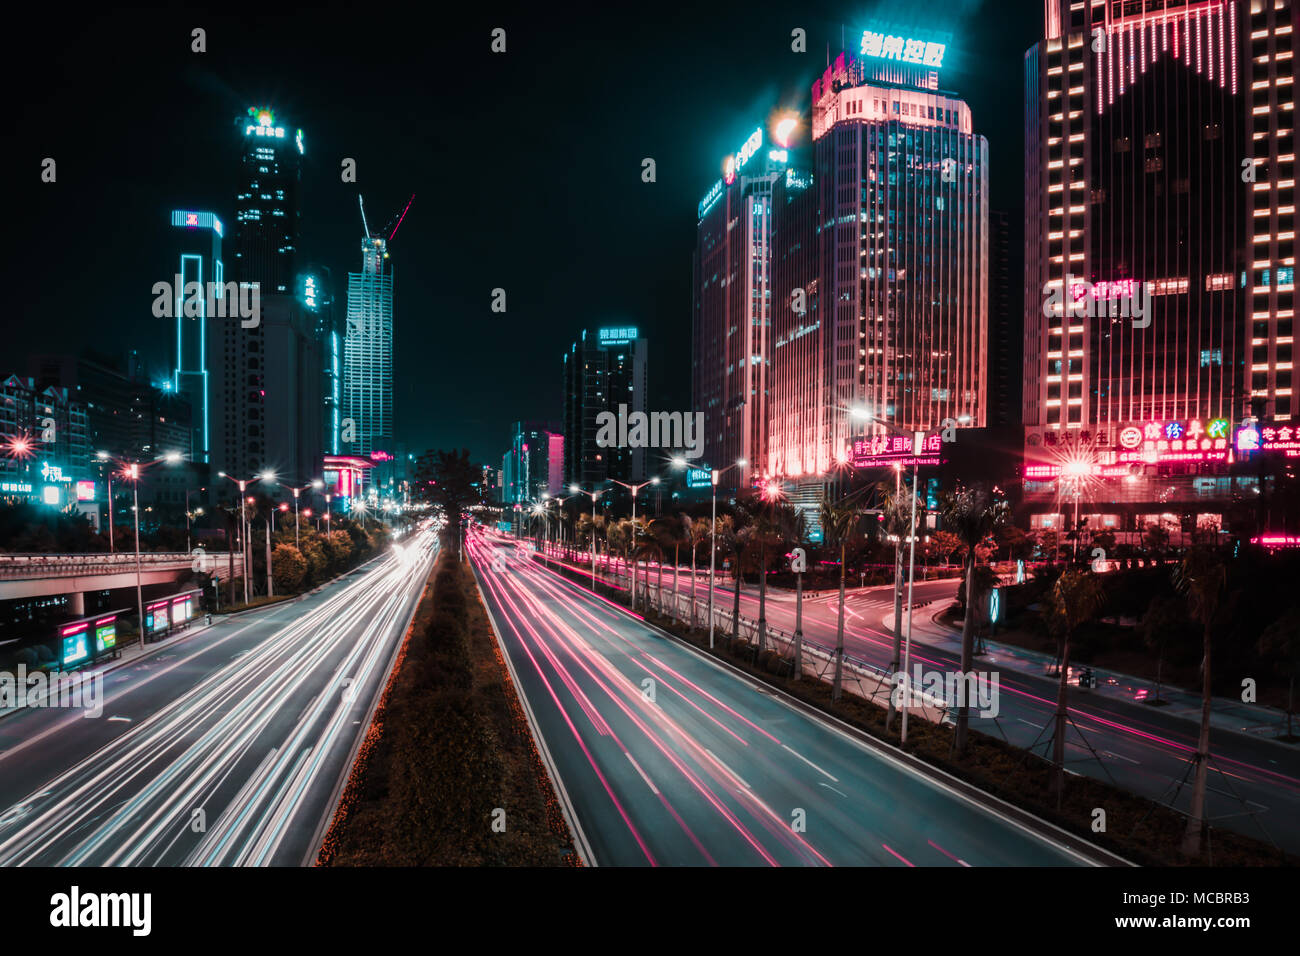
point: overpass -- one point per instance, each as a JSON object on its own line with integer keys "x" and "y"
{"x": 42, "y": 575}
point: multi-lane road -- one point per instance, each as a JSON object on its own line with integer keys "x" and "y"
{"x": 1254, "y": 790}
{"x": 225, "y": 748}
{"x": 665, "y": 757}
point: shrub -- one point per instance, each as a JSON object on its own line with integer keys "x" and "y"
{"x": 289, "y": 567}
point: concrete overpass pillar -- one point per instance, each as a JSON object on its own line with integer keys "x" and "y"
{"x": 77, "y": 603}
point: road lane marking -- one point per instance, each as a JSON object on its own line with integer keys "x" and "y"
{"x": 810, "y": 763}
{"x": 647, "y": 780}
{"x": 829, "y": 787}
{"x": 726, "y": 768}
{"x": 125, "y": 719}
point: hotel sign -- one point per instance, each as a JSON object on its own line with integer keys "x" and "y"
{"x": 881, "y": 450}
{"x": 903, "y": 49}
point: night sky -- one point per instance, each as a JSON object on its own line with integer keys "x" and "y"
{"x": 526, "y": 168}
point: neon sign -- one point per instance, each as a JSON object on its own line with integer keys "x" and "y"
{"x": 1174, "y": 441}
{"x": 196, "y": 220}
{"x": 618, "y": 336}
{"x": 751, "y": 146}
{"x": 903, "y": 49}
{"x": 881, "y": 450}
{"x": 710, "y": 198}
{"x": 1269, "y": 437}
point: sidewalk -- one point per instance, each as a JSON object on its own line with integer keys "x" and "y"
{"x": 1252, "y": 720}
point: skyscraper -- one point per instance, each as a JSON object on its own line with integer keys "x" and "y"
{"x": 197, "y": 250}
{"x": 880, "y": 279}
{"x": 268, "y": 410}
{"x": 1159, "y": 256}
{"x": 601, "y": 372}
{"x": 266, "y": 205}
{"x": 368, "y": 353}
{"x": 731, "y": 363}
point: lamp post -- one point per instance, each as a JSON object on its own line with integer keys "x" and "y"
{"x": 246, "y": 548}
{"x": 635, "y": 489}
{"x": 715, "y": 474}
{"x": 593, "y": 495}
{"x": 131, "y": 471}
{"x": 918, "y": 440}
{"x": 103, "y": 456}
{"x": 312, "y": 484}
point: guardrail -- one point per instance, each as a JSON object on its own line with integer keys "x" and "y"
{"x": 69, "y": 565}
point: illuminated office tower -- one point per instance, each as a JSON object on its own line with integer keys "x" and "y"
{"x": 731, "y": 302}
{"x": 267, "y": 409}
{"x": 197, "y": 244}
{"x": 601, "y": 372}
{"x": 368, "y": 354}
{"x": 1159, "y": 257}
{"x": 880, "y": 275}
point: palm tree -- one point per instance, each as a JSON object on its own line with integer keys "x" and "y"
{"x": 1074, "y": 598}
{"x": 794, "y": 531}
{"x": 670, "y": 533}
{"x": 838, "y": 519}
{"x": 1201, "y": 577}
{"x": 651, "y": 546}
{"x": 766, "y": 533}
{"x": 972, "y": 515}
{"x": 700, "y": 531}
{"x": 898, "y": 522}
{"x": 735, "y": 538}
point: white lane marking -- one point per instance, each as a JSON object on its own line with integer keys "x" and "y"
{"x": 124, "y": 719}
{"x": 727, "y": 769}
{"x": 647, "y": 780}
{"x": 829, "y": 787}
{"x": 810, "y": 763}
{"x": 1109, "y": 753}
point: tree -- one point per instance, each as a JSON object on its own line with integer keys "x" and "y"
{"x": 650, "y": 546}
{"x": 1201, "y": 578}
{"x": 766, "y": 534}
{"x": 1165, "y": 620}
{"x": 1280, "y": 641}
{"x": 671, "y": 532}
{"x": 289, "y": 568}
{"x": 1074, "y": 598}
{"x": 838, "y": 521}
{"x": 793, "y": 528}
{"x": 1156, "y": 540}
{"x": 973, "y": 515}
{"x": 735, "y": 535}
{"x": 944, "y": 544}
{"x": 700, "y": 531}
{"x": 453, "y": 484}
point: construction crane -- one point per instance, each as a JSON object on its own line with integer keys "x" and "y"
{"x": 395, "y": 222}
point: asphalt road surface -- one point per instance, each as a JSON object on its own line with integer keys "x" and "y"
{"x": 667, "y": 758}
{"x": 225, "y": 748}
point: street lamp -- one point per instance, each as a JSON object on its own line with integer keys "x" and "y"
{"x": 635, "y": 489}
{"x": 131, "y": 471}
{"x": 311, "y": 484}
{"x": 103, "y": 456}
{"x": 862, "y": 413}
{"x": 593, "y": 495}
{"x": 681, "y": 462}
{"x": 246, "y": 551}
